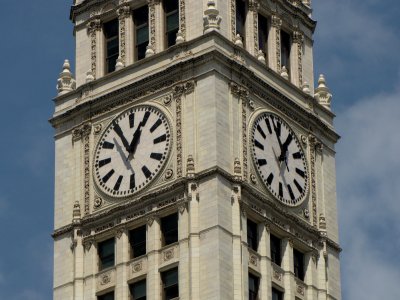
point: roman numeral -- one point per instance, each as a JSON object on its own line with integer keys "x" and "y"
{"x": 108, "y": 176}
{"x": 160, "y": 139}
{"x": 280, "y": 189}
{"x": 290, "y": 192}
{"x": 297, "y": 155}
{"x": 132, "y": 120}
{"x": 146, "y": 172}
{"x": 300, "y": 172}
{"x": 270, "y": 178}
{"x": 118, "y": 183}
{"x": 108, "y": 145}
{"x": 258, "y": 145}
{"x": 262, "y": 162}
{"x": 132, "y": 183}
{"x": 104, "y": 162}
{"x": 261, "y": 131}
{"x": 299, "y": 188}
{"x": 157, "y": 156}
{"x": 155, "y": 125}
{"x": 145, "y": 118}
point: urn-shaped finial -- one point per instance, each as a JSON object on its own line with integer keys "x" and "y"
{"x": 322, "y": 93}
{"x": 66, "y": 81}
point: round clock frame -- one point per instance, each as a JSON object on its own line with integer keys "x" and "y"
{"x": 279, "y": 158}
{"x": 132, "y": 151}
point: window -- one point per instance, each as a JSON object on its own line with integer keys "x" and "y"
{"x": 298, "y": 261}
{"x": 108, "y": 296}
{"x": 276, "y": 294}
{"x": 141, "y": 21}
{"x": 252, "y": 235}
{"x": 138, "y": 290}
{"x": 137, "y": 239}
{"x": 241, "y": 18}
{"x": 254, "y": 283}
{"x": 275, "y": 245}
{"x": 106, "y": 253}
{"x": 171, "y": 10}
{"x": 110, "y": 30}
{"x": 169, "y": 229}
{"x": 170, "y": 284}
{"x": 263, "y": 33}
{"x": 285, "y": 49}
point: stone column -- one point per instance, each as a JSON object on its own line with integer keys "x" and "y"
{"x": 156, "y": 27}
{"x": 274, "y": 44}
{"x": 245, "y": 254}
{"x": 265, "y": 263}
{"x": 296, "y": 58}
{"x": 236, "y": 244}
{"x": 96, "y": 49}
{"x": 183, "y": 238}
{"x": 153, "y": 246}
{"x": 252, "y": 27}
{"x": 194, "y": 241}
{"x": 288, "y": 267}
{"x": 121, "y": 240}
{"x": 125, "y": 36}
{"x": 90, "y": 269}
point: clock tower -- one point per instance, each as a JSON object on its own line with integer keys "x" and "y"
{"x": 195, "y": 159}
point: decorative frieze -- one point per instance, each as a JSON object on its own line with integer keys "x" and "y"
{"x": 105, "y": 279}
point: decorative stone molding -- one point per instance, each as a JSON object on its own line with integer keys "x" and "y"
{"x": 87, "y": 244}
{"x": 182, "y": 22}
{"x": 182, "y": 208}
{"x": 276, "y": 23}
{"x": 168, "y": 254}
{"x": 253, "y": 178}
{"x": 298, "y": 39}
{"x": 277, "y": 273}
{"x": 306, "y": 213}
{"x": 167, "y": 100}
{"x": 123, "y": 13}
{"x": 97, "y": 203}
{"x": 151, "y": 48}
{"x": 211, "y": 19}
{"x": 179, "y": 38}
{"x": 66, "y": 82}
{"x": 313, "y": 142}
{"x": 168, "y": 174}
{"x": 237, "y": 169}
{"x": 119, "y": 64}
{"x": 233, "y": 20}
{"x": 76, "y": 213}
{"x": 150, "y": 220}
{"x": 119, "y": 232}
{"x": 322, "y": 222}
{"x": 97, "y": 128}
{"x": 253, "y": 260}
{"x": 105, "y": 279}
{"x": 190, "y": 167}
{"x": 137, "y": 267}
{"x": 300, "y": 288}
{"x": 93, "y": 27}
{"x": 322, "y": 93}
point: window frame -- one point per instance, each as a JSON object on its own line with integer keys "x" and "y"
{"x": 101, "y": 258}
{"x": 132, "y": 285}
{"x": 138, "y": 27}
{"x": 299, "y": 264}
{"x": 165, "y": 232}
{"x": 239, "y": 13}
{"x": 253, "y": 295}
{"x": 278, "y": 292}
{"x": 167, "y": 32}
{"x": 109, "y": 68}
{"x": 136, "y": 245}
{"x": 252, "y": 242}
{"x": 276, "y": 259}
{"x": 286, "y": 36}
{"x": 170, "y": 287}
{"x": 108, "y": 294}
{"x": 263, "y": 33}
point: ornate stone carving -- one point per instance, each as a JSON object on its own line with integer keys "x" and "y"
{"x": 313, "y": 141}
{"x": 66, "y": 81}
{"x": 137, "y": 267}
{"x": 238, "y": 40}
{"x": 284, "y": 73}
{"x": 167, "y": 100}
{"x": 233, "y": 20}
{"x": 253, "y": 260}
{"x": 298, "y": 39}
{"x": 300, "y": 289}
{"x": 86, "y": 161}
{"x": 119, "y": 232}
{"x": 182, "y": 208}
{"x": 150, "y": 220}
{"x": 306, "y": 213}
{"x": 123, "y": 13}
{"x": 190, "y": 167}
{"x": 88, "y": 244}
{"x": 277, "y": 275}
{"x": 98, "y": 202}
{"x": 322, "y": 222}
{"x": 182, "y": 21}
{"x": 322, "y": 93}
{"x": 105, "y": 279}
{"x": 168, "y": 254}
{"x": 253, "y": 178}
{"x": 97, "y": 128}
{"x": 211, "y": 19}
{"x": 168, "y": 174}
{"x": 261, "y": 56}
{"x": 151, "y": 48}
{"x": 237, "y": 169}
{"x": 276, "y": 22}
{"x": 93, "y": 26}
{"x": 76, "y": 213}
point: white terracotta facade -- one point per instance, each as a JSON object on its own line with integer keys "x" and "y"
{"x": 211, "y": 89}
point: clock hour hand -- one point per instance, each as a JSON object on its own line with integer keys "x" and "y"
{"x": 136, "y": 136}
{"x": 285, "y": 147}
{"x": 119, "y": 132}
{"x": 277, "y": 130}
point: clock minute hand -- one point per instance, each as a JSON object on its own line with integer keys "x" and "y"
{"x": 119, "y": 132}
{"x": 277, "y": 136}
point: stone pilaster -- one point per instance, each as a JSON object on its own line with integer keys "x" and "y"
{"x": 296, "y": 53}
{"x": 237, "y": 244}
{"x": 121, "y": 257}
{"x": 153, "y": 257}
{"x": 96, "y": 55}
{"x": 287, "y": 266}
{"x": 125, "y": 35}
{"x": 274, "y": 41}
{"x": 265, "y": 263}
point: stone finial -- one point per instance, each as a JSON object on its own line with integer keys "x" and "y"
{"x": 306, "y": 88}
{"x": 190, "y": 166}
{"x": 179, "y": 37}
{"x": 66, "y": 81}
{"x": 76, "y": 213}
{"x": 322, "y": 93}
{"x": 119, "y": 64}
{"x": 89, "y": 76}
{"x": 149, "y": 51}
{"x": 238, "y": 40}
{"x": 284, "y": 73}
{"x": 261, "y": 56}
{"x": 211, "y": 19}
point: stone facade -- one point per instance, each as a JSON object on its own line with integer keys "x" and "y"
{"x": 210, "y": 88}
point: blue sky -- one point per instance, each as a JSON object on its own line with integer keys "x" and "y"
{"x": 357, "y": 47}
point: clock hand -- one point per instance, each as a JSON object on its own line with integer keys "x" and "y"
{"x": 122, "y": 154}
{"x": 285, "y": 147}
{"x": 119, "y": 132}
{"x": 277, "y": 130}
{"x": 136, "y": 136}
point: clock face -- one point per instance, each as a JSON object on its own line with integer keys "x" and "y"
{"x": 279, "y": 159}
{"x": 131, "y": 151}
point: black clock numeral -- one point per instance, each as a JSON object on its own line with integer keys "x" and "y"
{"x": 108, "y": 176}
{"x": 299, "y": 188}
{"x": 108, "y": 145}
{"x": 157, "y": 156}
{"x": 280, "y": 189}
{"x": 104, "y": 162}
{"x": 118, "y": 183}
{"x": 145, "y": 118}
{"x": 270, "y": 178}
{"x": 262, "y": 162}
{"x": 261, "y": 131}
{"x": 146, "y": 171}
{"x": 258, "y": 145}
{"x": 155, "y": 125}
{"x": 132, "y": 120}
{"x": 300, "y": 172}
{"x": 268, "y": 125}
{"x": 277, "y": 127}
{"x": 297, "y": 155}
{"x": 132, "y": 183}
{"x": 290, "y": 192}
{"x": 160, "y": 139}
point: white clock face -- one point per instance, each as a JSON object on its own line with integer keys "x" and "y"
{"x": 131, "y": 151}
{"x": 279, "y": 159}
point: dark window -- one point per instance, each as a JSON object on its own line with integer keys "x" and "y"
{"x": 141, "y": 21}
{"x": 252, "y": 235}
{"x": 263, "y": 33}
{"x": 171, "y": 10}
{"x": 137, "y": 239}
{"x": 169, "y": 229}
{"x": 254, "y": 283}
{"x": 298, "y": 261}
{"x": 110, "y": 30}
{"x": 170, "y": 284}
{"x": 276, "y": 294}
{"x": 241, "y": 18}
{"x": 108, "y": 296}
{"x": 285, "y": 49}
{"x": 138, "y": 290}
{"x": 275, "y": 250}
{"x": 106, "y": 253}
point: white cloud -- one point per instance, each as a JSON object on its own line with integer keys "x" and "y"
{"x": 369, "y": 197}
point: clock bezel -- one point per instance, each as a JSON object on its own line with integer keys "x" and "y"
{"x": 160, "y": 167}
{"x": 287, "y": 202}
